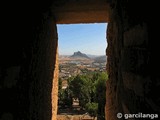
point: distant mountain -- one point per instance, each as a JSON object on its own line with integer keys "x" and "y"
{"x": 79, "y": 55}
{"x": 100, "y": 59}
{"x": 92, "y": 56}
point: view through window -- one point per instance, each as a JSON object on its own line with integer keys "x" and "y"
{"x": 82, "y": 70}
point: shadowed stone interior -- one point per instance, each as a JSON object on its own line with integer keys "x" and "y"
{"x": 29, "y": 62}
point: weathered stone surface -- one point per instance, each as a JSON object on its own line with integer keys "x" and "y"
{"x": 80, "y": 11}
{"x": 129, "y": 60}
{"x": 55, "y": 89}
{"x": 136, "y": 36}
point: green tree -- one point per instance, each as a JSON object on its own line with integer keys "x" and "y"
{"x": 101, "y": 94}
{"x": 92, "y": 108}
{"x": 81, "y": 88}
{"x": 90, "y": 89}
{"x": 64, "y": 96}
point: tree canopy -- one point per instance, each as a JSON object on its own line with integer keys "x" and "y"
{"x": 90, "y": 90}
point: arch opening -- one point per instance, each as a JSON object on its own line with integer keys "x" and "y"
{"x": 82, "y": 52}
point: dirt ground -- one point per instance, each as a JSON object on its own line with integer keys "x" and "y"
{"x": 74, "y": 117}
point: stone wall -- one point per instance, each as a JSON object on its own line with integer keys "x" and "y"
{"x": 43, "y": 70}
{"x": 131, "y": 81}
{"x": 55, "y": 85}
{"x": 27, "y": 64}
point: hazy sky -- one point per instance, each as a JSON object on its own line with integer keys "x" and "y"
{"x": 87, "y": 38}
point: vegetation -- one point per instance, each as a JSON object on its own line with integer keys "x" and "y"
{"x": 92, "y": 108}
{"x": 64, "y": 96}
{"x": 90, "y": 90}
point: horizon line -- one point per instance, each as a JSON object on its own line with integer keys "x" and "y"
{"x": 84, "y": 53}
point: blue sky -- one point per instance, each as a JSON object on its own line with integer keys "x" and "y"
{"x": 87, "y": 38}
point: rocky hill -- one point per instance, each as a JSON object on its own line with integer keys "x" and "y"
{"x": 79, "y": 55}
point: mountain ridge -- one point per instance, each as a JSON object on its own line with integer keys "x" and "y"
{"x": 79, "y": 54}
